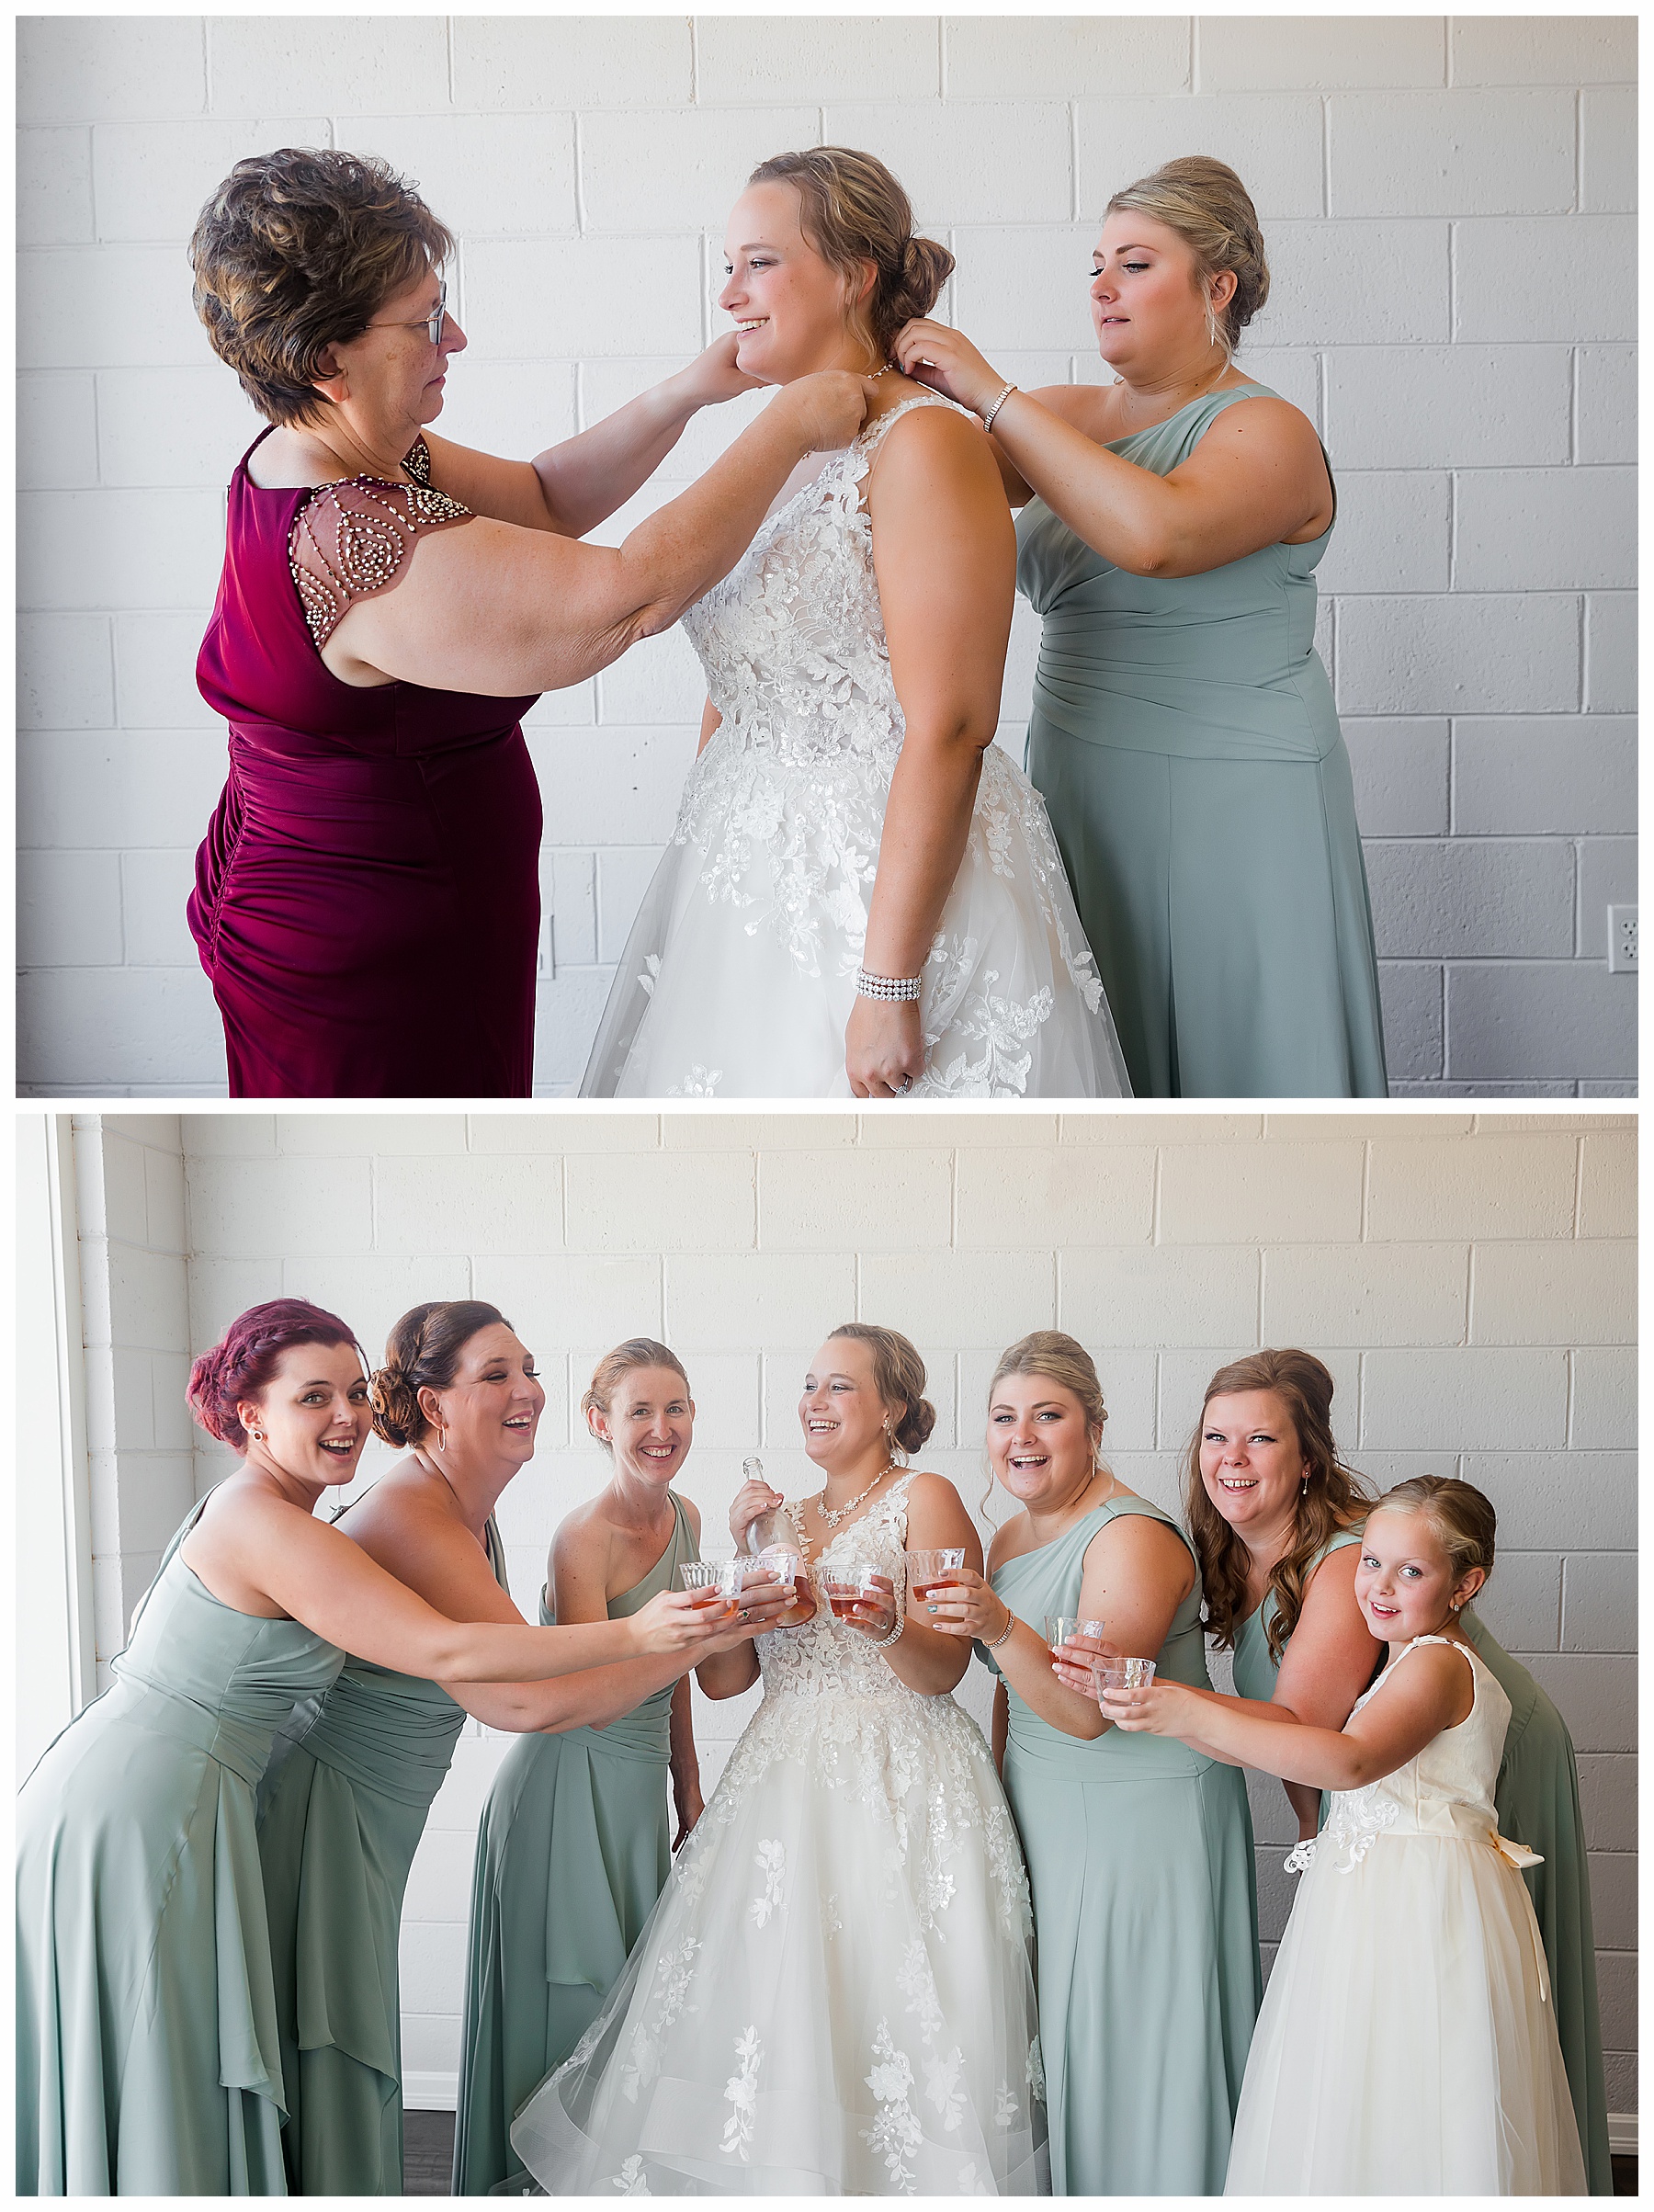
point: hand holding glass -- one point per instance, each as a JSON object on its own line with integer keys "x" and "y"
{"x": 778, "y": 1565}
{"x": 1119, "y": 1677}
{"x": 860, "y": 1597}
{"x": 713, "y": 1582}
{"x": 1060, "y": 1627}
{"x": 929, "y": 1571}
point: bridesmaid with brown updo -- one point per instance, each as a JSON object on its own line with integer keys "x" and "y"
{"x": 343, "y": 1818}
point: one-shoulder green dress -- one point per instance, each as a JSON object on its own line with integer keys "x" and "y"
{"x": 1139, "y": 1857}
{"x": 148, "y": 2059}
{"x": 1185, "y": 740}
{"x": 341, "y": 1813}
{"x": 574, "y": 1847}
{"x": 1537, "y": 1800}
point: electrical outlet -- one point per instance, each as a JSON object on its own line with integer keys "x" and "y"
{"x": 1621, "y": 941}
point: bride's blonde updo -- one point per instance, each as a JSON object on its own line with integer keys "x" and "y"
{"x": 898, "y": 1378}
{"x": 853, "y": 211}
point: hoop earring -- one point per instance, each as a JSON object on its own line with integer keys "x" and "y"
{"x": 442, "y": 1438}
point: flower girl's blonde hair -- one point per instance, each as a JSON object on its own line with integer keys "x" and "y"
{"x": 1463, "y": 1522}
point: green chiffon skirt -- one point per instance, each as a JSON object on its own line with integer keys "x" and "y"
{"x": 146, "y": 2032}
{"x": 1145, "y": 1921}
{"x": 574, "y": 1849}
{"x": 334, "y": 1935}
{"x": 1537, "y": 1800}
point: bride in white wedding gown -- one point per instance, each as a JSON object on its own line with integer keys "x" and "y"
{"x": 834, "y": 1995}
{"x": 862, "y": 894}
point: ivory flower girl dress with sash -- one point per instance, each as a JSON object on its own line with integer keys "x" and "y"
{"x": 1407, "y": 2046}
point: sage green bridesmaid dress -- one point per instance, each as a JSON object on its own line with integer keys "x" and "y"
{"x": 574, "y": 1847}
{"x": 1255, "y": 1671}
{"x": 148, "y": 2059}
{"x": 1140, "y": 1856}
{"x": 1537, "y": 1800}
{"x": 1185, "y": 738}
{"x": 341, "y": 1812}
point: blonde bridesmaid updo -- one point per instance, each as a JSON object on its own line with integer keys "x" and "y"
{"x": 1211, "y": 211}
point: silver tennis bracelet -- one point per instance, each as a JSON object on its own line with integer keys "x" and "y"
{"x": 886, "y": 986}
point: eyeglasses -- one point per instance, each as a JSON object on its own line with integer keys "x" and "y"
{"x": 431, "y": 325}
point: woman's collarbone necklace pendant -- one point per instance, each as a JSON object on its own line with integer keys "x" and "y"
{"x": 832, "y": 1515}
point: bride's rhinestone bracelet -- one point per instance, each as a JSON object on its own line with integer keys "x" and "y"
{"x": 886, "y": 986}
{"x": 988, "y": 418}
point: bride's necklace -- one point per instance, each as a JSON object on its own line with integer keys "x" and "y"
{"x": 832, "y": 1515}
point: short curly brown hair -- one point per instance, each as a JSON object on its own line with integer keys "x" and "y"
{"x": 297, "y": 250}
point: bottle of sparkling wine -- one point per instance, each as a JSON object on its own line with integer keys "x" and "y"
{"x": 774, "y": 1533}
{"x": 771, "y": 1531}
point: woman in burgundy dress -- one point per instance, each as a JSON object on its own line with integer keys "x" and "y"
{"x": 366, "y": 900}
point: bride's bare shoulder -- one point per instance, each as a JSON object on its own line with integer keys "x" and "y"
{"x": 932, "y": 450}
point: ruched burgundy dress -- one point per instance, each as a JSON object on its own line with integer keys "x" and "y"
{"x": 366, "y": 900}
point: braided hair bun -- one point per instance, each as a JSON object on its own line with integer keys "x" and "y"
{"x": 241, "y": 1366}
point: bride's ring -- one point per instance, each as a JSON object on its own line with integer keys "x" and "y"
{"x": 743, "y": 1612}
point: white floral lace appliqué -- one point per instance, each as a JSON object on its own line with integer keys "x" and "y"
{"x": 630, "y": 2179}
{"x": 741, "y": 2092}
{"x": 772, "y": 1865}
{"x": 674, "y": 1974}
{"x": 1358, "y": 1818}
{"x": 896, "y": 2134}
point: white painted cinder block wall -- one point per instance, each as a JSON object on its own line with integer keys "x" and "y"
{"x": 1447, "y": 205}
{"x": 129, "y": 1202}
{"x": 1470, "y": 1282}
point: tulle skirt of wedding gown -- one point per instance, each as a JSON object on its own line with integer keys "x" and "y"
{"x": 1406, "y": 2045}
{"x": 739, "y": 975}
{"x": 834, "y": 1996}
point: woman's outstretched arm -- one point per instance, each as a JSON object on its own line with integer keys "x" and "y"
{"x": 1257, "y": 477}
{"x": 497, "y": 610}
{"x": 573, "y": 486}
{"x": 945, "y": 555}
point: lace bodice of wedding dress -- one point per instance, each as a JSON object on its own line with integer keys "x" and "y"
{"x": 834, "y": 1996}
{"x": 739, "y": 974}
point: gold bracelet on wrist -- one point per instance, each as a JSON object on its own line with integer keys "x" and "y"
{"x": 1010, "y": 1624}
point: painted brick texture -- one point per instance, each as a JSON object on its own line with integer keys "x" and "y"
{"x": 1468, "y": 1278}
{"x": 1479, "y": 612}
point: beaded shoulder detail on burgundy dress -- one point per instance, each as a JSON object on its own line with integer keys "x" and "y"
{"x": 351, "y": 541}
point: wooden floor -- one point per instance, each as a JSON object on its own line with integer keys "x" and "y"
{"x": 427, "y": 2153}
{"x": 428, "y": 2157}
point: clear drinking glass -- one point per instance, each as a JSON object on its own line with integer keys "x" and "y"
{"x": 850, "y": 1582}
{"x": 928, "y": 1572}
{"x": 1059, "y": 1626}
{"x": 710, "y": 1580}
{"x": 1122, "y": 1675}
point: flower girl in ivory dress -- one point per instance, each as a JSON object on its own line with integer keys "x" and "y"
{"x": 1406, "y": 2045}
